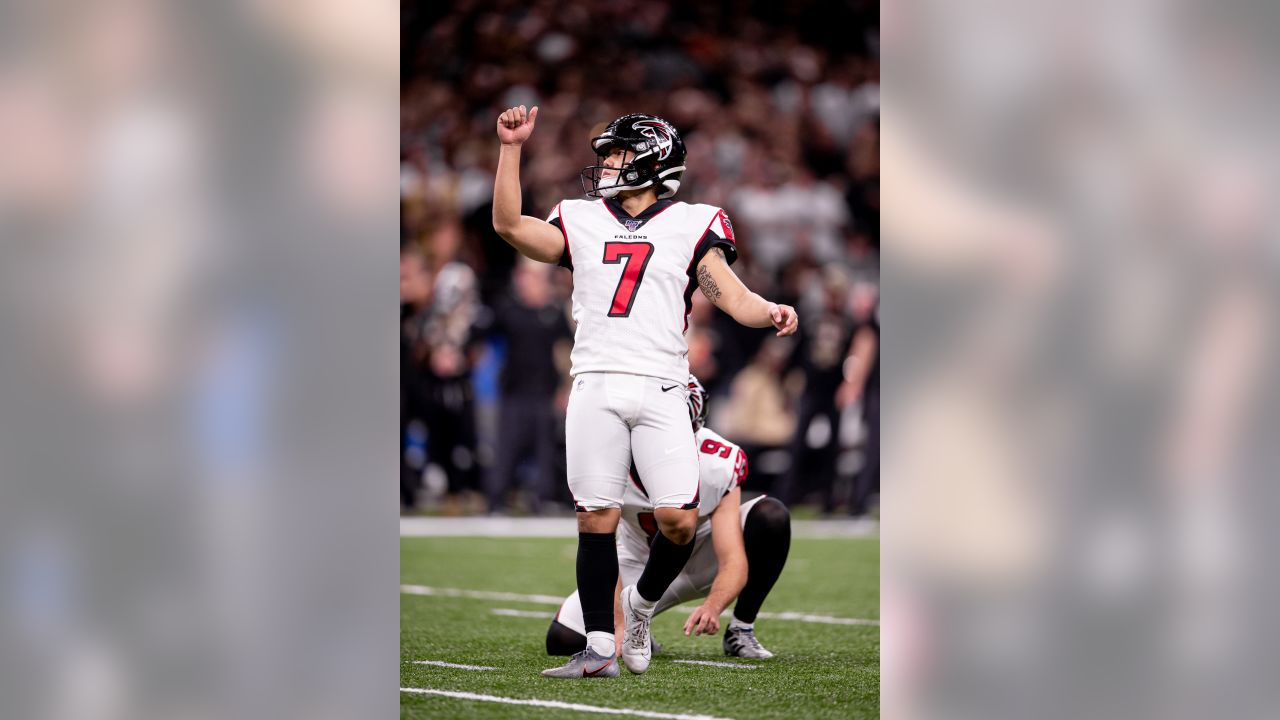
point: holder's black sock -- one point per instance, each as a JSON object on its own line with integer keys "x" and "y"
{"x": 767, "y": 536}
{"x": 666, "y": 560}
{"x": 562, "y": 640}
{"x": 597, "y": 577}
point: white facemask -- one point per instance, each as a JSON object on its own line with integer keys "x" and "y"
{"x": 608, "y": 187}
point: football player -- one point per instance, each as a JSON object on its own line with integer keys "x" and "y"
{"x": 731, "y": 537}
{"x": 636, "y": 256}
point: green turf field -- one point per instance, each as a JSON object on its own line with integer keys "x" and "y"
{"x": 821, "y": 670}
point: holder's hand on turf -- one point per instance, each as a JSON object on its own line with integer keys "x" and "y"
{"x": 516, "y": 125}
{"x": 705, "y": 620}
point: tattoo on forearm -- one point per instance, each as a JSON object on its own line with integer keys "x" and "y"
{"x": 708, "y": 285}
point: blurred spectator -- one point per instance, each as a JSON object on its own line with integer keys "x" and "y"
{"x": 533, "y": 323}
{"x": 759, "y": 414}
{"x": 759, "y": 411}
{"x": 822, "y": 345}
{"x": 862, "y": 382}
{"x": 704, "y": 341}
{"x": 444, "y": 334}
{"x": 415, "y": 296}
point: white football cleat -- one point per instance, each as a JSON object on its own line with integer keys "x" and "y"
{"x": 636, "y": 648}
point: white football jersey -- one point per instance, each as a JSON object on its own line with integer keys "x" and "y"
{"x": 633, "y": 281}
{"x": 722, "y": 466}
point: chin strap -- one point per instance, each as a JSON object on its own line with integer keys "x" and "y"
{"x": 670, "y": 186}
{"x": 612, "y": 191}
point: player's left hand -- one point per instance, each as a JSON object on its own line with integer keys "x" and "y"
{"x": 784, "y": 318}
{"x": 704, "y": 621}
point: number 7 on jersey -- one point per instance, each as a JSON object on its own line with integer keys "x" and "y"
{"x": 637, "y": 258}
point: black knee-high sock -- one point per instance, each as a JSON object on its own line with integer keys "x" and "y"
{"x": 666, "y": 560}
{"x": 562, "y": 640}
{"x": 767, "y": 536}
{"x": 597, "y": 577}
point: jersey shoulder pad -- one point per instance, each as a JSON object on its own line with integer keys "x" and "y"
{"x": 719, "y": 231}
{"x": 721, "y": 464}
{"x": 739, "y": 468}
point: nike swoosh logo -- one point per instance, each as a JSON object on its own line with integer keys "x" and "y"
{"x": 671, "y": 450}
{"x": 673, "y": 387}
{"x": 586, "y": 672}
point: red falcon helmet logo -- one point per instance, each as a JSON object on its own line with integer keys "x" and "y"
{"x": 659, "y": 133}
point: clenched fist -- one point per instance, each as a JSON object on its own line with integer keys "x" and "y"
{"x": 516, "y": 124}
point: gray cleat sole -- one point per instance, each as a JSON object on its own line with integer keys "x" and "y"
{"x": 744, "y": 645}
{"x": 585, "y": 665}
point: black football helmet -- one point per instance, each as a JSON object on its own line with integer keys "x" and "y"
{"x": 697, "y": 403}
{"x": 658, "y": 157}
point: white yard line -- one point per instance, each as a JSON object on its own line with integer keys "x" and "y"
{"x": 824, "y": 619}
{"x": 479, "y": 594}
{"x": 713, "y": 663}
{"x": 567, "y": 527}
{"x": 441, "y": 663}
{"x": 560, "y": 527}
{"x": 523, "y": 613}
{"x": 554, "y": 600}
{"x": 559, "y": 705}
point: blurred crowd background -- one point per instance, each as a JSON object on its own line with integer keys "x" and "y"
{"x": 779, "y": 107}
{"x": 1081, "y": 265}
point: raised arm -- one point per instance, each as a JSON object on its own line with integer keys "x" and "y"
{"x": 723, "y": 288}
{"x": 533, "y": 237}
